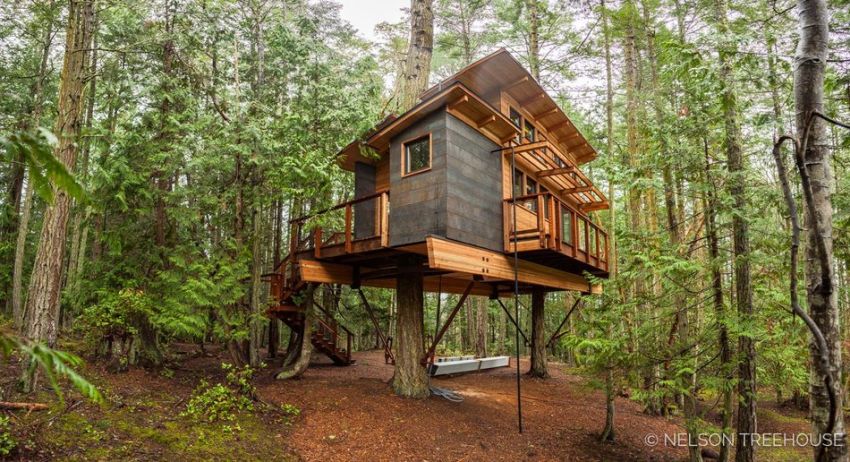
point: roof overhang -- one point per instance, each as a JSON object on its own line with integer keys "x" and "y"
{"x": 457, "y": 99}
{"x": 501, "y": 70}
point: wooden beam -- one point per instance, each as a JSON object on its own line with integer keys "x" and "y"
{"x": 555, "y": 171}
{"x": 545, "y": 113}
{"x": 515, "y": 83}
{"x": 532, "y": 99}
{"x": 323, "y": 272}
{"x": 454, "y": 256}
{"x": 525, "y": 147}
{"x": 558, "y": 125}
{"x": 579, "y": 189}
{"x": 593, "y": 206}
{"x": 458, "y": 102}
{"x": 486, "y": 121}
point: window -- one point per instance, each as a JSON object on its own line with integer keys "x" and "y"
{"x": 416, "y": 155}
{"x": 566, "y": 226}
{"x": 517, "y": 181}
{"x": 529, "y": 131}
{"x": 582, "y": 233}
{"x": 530, "y": 186}
{"x": 516, "y": 118}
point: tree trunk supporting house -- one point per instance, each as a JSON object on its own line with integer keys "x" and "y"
{"x": 538, "y": 334}
{"x": 410, "y": 379}
{"x": 305, "y": 349}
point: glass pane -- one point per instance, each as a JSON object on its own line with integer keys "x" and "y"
{"x": 529, "y": 131}
{"x": 530, "y": 186}
{"x": 516, "y": 118}
{"x": 566, "y": 226}
{"x": 517, "y": 183}
{"x": 417, "y": 155}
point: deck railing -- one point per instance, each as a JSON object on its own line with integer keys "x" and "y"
{"x": 543, "y": 221}
{"x": 344, "y": 225}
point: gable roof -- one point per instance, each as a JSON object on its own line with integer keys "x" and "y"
{"x": 501, "y": 70}
{"x": 497, "y": 71}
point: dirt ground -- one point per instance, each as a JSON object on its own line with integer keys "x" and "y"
{"x": 350, "y": 413}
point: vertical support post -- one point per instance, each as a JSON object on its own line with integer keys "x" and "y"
{"x": 574, "y": 225}
{"x": 348, "y": 246}
{"x": 553, "y": 220}
{"x": 385, "y": 219}
{"x": 541, "y": 220}
{"x": 317, "y": 242}
{"x": 516, "y": 293}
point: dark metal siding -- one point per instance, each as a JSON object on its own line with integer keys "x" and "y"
{"x": 418, "y": 202}
{"x": 474, "y": 182}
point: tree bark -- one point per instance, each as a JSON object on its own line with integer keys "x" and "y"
{"x": 305, "y": 349}
{"x": 42, "y": 312}
{"x": 810, "y": 61}
{"x": 410, "y": 379}
{"x": 744, "y": 451}
{"x": 417, "y": 65}
{"x": 480, "y": 326}
{"x": 538, "y": 335}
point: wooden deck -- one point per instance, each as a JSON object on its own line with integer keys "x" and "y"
{"x": 335, "y": 253}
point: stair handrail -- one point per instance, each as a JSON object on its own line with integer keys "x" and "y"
{"x": 348, "y": 333}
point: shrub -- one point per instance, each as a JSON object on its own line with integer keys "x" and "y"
{"x": 222, "y": 401}
{"x": 7, "y": 441}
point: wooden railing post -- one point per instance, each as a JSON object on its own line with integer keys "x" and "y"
{"x": 541, "y": 220}
{"x": 574, "y": 237}
{"x": 553, "y": 228}
{"x": 385, "y": 219}
{"x": 317, "y": 242}
{"x": 348, "y": 246}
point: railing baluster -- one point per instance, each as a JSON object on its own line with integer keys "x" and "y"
{"x": 348, "y": 245}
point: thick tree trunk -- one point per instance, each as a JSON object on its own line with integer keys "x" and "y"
{"x": 417, "y": 66}
{"x": 20, "y": 254}
{"x": 410, "y": 379}
{"x": 42, "y": 312}
{"x": 810, "y": 60}
{"x": 740, "y": 241}
{"x": 538, "y": 335}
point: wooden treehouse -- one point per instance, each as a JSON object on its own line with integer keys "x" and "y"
{"x": 485, "y": 164}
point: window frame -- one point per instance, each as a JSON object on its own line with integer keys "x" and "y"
{"x": 404, "y": 144}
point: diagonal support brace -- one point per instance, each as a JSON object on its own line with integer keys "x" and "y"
{"x": 558, "y": 334}
{"x": 429, "y": 355}
{"x": 388, "y": 352}
{"x": 513, "y": 321}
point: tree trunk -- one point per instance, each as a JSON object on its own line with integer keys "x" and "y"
{"x": 417, "y": 65}
{"x": 410, "y": 379}
{"x": 305, "y": 348}
{"x": 740, "y": 241}
{"x": 608, "y": 431}
{"x": 726, "y": 367}
{"x": 533, "y": 38}
{"x": 538, "y": 335}
{"x": 810, "y": 68}
{"x": 42, "y": 307}
{"x": 480, "y": 326}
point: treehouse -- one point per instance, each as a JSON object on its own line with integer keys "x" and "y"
{"x": 485, "y": 168}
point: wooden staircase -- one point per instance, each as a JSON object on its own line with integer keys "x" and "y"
{"x": 325, "y": 334}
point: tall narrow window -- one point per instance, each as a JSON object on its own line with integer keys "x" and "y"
{"x": 516, "y": 119}
{"x": 518, "y": 176}
{"x": 416, "y": 155}
{"x": 529, "y": 132}
{"x": 566, "y": 226}
{"x": 530, "y": 186}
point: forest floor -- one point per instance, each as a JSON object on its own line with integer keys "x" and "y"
{"x": 350, "y": 413}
